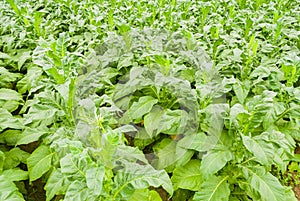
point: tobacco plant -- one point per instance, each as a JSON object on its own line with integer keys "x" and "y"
{"x": 149, "y": 100}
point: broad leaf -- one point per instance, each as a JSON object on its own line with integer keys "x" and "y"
{"x": 10, "y": 99}
{"x": 188, "y": 176}
{"x": 40, "y": 113}
{"x": 215, "y": 160}
{"x": 57, "y": 184}
{"x": 15, "y": 174}
{"x": 213, "y": 189}
{"x": 241, "y": 90}
{"x": 130, "y": 154}
{"x": 135, "y": 176}
{"x": 174, "y": 122}
{"x": 166, "y": 153}
{"x": 262, "y": 150}
{"x": 14, "y": 157}
{"x": 153, "y": 120}
{"x": 4, "y": 56}
{"x": 39, "y": 162}
{"x": 94, "y": 179}
{"x": 264, "y": 183}
{"x": 194, "y": 141}
{"x": 9, "y": 191}
{"x": 31, "y": 135}
{"x": 145, "y": 195}
{"x": 142, "y": 107}
{"x": 74, "y": 165}
{"x": 9, "y": 95}
{"x": 7, "y": 78}
{"x": 10, "y": 136}
{"x": 30, "y": 80}
{"x": 77, "y": 191}
{"x": 8, "y": 121}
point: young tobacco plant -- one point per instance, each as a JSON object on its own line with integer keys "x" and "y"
{"x": 148, "y": 101}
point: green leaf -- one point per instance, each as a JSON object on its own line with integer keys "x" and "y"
{"x": 9, "y": 191}
{"x": 39, "y": 162}
{"x": 215, "y": 160}
{"x": 145, "y": 195}
{"x": 128, "y": 153}
{"x": 170, "y": 155}
{"x": 22, "y": 57}
{"x": 4, "y": 56}
{"x": 142, "y": 107}
{"x": 94, "y": 179}
{"x": 14, "y": 7}
{"x": 182, "y": 194}
{"x": 238, "y": 115}
{"x": 174, "y": 122}
{"x": 14, "y": 157}
{"x": 15, "y": 174}
{"x": 214, "y": 189}
{"x": 152, "y": 121}
{"x": 126, "y": 129}
{"x": 166, "y": 153}
{"x": 188, "y": 176}
{"x": 183, "y": 155}
{"x": 37, "y": 22}
{"x": 135, "y": 176}
{"x": 57, "y": 184}
{"x": 194, "y": 141}
{"x": 8, "y": 121}
{"x": 77, "y": 191}
{"x": 63, "y": 89}
{"x": 10, "y": 137}
{"x": 10, "y": 95}
{"x": 241, "y": 90}
{"x": 289, "y": 194}
{"x": 7, "y": 78}
{"x": 30, "y": 79}
{"x": 40, "y": 113}
{"x": 264, "y": 183}
{"x": 74, "y": 165}
{"x": 142, "y": 138}
{"x": 60, "y": 79}
{"x": 262, "y": 150}
{"x": 260, "y": 72}
{"x": 109, "y": 143}
{"x": 31, "y": 135}
{"x": 2, "y": 159}
{"x": 10, "y": 99}
{"x": 169, "y": 122}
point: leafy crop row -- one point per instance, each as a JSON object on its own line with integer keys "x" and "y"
{"x": 149, "y": 100}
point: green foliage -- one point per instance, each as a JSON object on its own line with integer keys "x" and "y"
{"x": 149, "y": 100}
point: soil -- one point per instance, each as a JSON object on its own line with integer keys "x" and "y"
{"x": 296, "y": 190}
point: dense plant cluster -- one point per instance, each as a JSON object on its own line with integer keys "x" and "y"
{"x": 149, "y": 100}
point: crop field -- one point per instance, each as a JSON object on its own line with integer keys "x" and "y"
{"x": 149, "y": 100}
